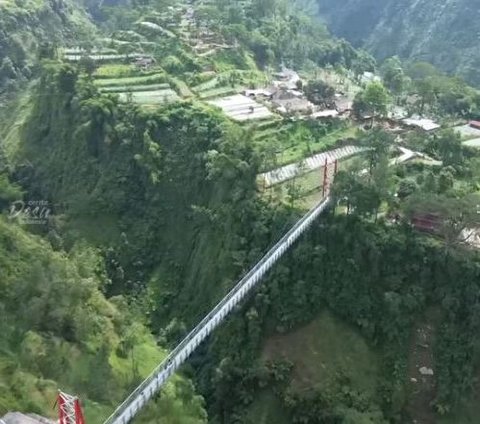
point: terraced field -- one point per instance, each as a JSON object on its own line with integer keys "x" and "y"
{"x": 218, "y": 92}
{"x": 158, "y": 78}
{"x": 241, "y": 108}
{"x": 150, "y": 89}
{"x": 227, "y": 83}
{"x": 154, "y": 97}
{"x": 215, "y": 88}
{"x": 120, "y": 70}
{"x": 181, "y": 87}
{"x": 109, "y": 57}
{"x": 207, "y": 85}
{"x": 134, "y": 88}
{"x": 269, "y": 129}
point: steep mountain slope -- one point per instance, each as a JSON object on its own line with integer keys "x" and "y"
{"x": 444, "y": 32}
{"x": 167, "y": 195}
{"x": 59, "y": 331}
{"x": 35, "y": 27}
{"x": 329, "y": 336}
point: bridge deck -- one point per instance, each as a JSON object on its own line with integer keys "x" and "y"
{"x": 152, "y": 384}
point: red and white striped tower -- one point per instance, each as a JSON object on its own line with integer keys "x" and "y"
{"x": 325, "y": 178}
{"x": 329, "y": 172}
{"x": 69, "y": 409}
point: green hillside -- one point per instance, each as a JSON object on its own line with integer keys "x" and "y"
{"x": 443, "y": 32}
{"x": 152, "y": 151}
{"x": 32, "y": 29}
{"x": 59, "y": 330}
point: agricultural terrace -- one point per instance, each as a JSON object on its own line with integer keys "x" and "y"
{"x": 241, "y": 108}
{"x": 145, "y": 89}
{"x": 168, "y": 56}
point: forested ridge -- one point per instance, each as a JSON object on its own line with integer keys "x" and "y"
{"x": 132, "y": 202}
{"x": 158, "y": 178}
{"x": 386, "y": 281}
{"x": 31, "y": 29}
{"x": 443, "y": 32}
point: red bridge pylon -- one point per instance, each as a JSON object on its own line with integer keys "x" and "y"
{"x": 329, "y": 172}
{"x": 69, "y": 409}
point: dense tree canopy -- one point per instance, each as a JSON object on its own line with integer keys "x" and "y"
{"x": 372, "y": 101}
{"x": 158, "y": 208}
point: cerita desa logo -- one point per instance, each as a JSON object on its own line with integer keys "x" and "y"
{"x": 30, "y": 212}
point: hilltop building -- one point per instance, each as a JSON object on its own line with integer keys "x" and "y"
{"x": 291, "y": 101}
{"x": 475, "y": 124}
{"x": 425, "y": 124}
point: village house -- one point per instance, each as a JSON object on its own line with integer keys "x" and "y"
{"x": 397, "y": 113}
{"x": 325, "y": 114}
{"x": 424, "y": 124}
{"x": 474, "y": 124}
{"x": 291, "y": 101}
{"x": 144, "y": 62}
{"x": 369, "y": 77}
{"x": 260, "y": 93}
{"x": 287, "y": 78}
{"x": 343, "y": 104}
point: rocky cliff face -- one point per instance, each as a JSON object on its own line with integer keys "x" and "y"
{"x": 444, "y": 32}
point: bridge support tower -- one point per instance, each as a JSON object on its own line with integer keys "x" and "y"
{"x": 69, "y": 409}
{"x": 329, "y": 171}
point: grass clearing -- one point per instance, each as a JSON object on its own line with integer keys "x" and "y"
{"x": 307, "y": 189}
{"x": 146, "y": 356}
{"x": 266, "y": 409}
{"x": 156, "y": 97}
{"x": 219, "y": 92}
{"x": 126, "y": 88}
{"x": 268, "y": 125}
{"x": 303, "y": 148}
{"x": 468, "y": 413}
{"x": 95, "y": 413}
{"x": 118, "y": 70}
{"x": 321, "y": 350}
{"x": 228, "y": 82}
{"x": 180, "y": 87}
{"x": 264, "y": 134}
{"x": 207, "y": 85}
{"x": 139, "y": 80}
{"x": 474, "y": 142}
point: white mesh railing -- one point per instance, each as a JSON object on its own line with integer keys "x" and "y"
{"x": 152, "y": 384}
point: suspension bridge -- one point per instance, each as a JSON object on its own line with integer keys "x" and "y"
{"x": 69, "y": 406}
{"x": 154, "y": 382}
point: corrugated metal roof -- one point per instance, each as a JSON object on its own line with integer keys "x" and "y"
{"x": 425, "y": 124}
{"x": 474, "y": 124}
